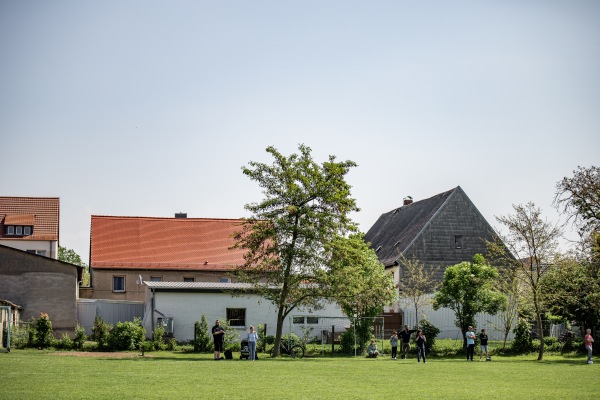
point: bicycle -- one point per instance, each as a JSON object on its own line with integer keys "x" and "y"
{"x": 293, "y": 350}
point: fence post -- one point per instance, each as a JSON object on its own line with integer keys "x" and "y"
{"x": 332, "y": 339}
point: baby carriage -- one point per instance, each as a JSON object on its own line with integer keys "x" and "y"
{"x": 245, "y": 350}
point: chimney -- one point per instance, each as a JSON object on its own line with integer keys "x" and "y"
{"x": 407, "y": 200}
{"x": 180, "y": 215}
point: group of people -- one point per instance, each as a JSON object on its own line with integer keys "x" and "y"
{"x": 420, "y": 340}
{"x": 403, "y": 337}
{"x": 219, "y": 338}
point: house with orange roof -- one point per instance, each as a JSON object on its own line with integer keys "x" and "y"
{"x": 126, "y": 251}
{"x": 30, "y": 224}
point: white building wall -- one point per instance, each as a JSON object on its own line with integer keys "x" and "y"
{"x": 188, "y": 307}
{"x": 50, "y": 247}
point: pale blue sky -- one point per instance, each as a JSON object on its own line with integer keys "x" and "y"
{"x": 147, "y": 108}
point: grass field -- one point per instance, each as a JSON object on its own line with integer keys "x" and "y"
{"x": 36, "y": 374}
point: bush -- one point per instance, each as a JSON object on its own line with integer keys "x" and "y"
{"x": 80, "y": 337}
{"x": 43, "y": 331}
{"x": 171, "y": 344}
{"x": 19, "y": 336}
{"x": 157, "y": 337}
{"x": 100, "y": 332}
{"x": 347, "y": 342}
{"x": 64, "y": 343}
{"x": 127, "y": 335}
{"x": 203, "y": 342}
{"x": 430, "y": 332}
{"x": 522, "y": 342}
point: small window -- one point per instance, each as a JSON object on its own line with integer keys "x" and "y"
{"x": 236, "y": 317}
{"x": 225, "y": 280}
{"x": 41, "y": 253}
{"x": 19, "y": 230}
{"x": 186, "y": 279}
{"x": 118, "y": 283}
{"x": 27, "y": 230}
{"x": 10, "y": 230}
{"x": 298, "y": 320}
{"x": 156, "y": 279}
{"x": 458, "y": 242}
{"x": 312, "y": 320}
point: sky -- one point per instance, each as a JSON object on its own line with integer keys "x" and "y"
{"x": 149, "y": 108}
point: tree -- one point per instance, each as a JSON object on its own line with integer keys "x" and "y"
{"x": 69, "y": 255}
{"x": 508, "y": 284}
{"x": 572, "y": 290}
{"x": 357, "y": 281}
{"x": 467, "y": 289}
{"x": 306, "y": 206}
{"x": 416, "y": 284}
{"x": 579, "y": 198}
{"x": 528, "y": 247}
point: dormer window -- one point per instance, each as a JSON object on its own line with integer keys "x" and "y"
{"x": 18, "y": 230}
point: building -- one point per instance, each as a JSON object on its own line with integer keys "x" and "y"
{"x": 126, "y": 251}
{"x": 30, "y": 224}
{"x": 34, "y": 284}
{"x": 178, "y": 305}
{"x": 440, "y": 231}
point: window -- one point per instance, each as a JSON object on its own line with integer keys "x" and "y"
{"x": 18, "y": 230}
{"x": 225, "y": 280}
{"x": 10, "y": 230}
{"x": 156, "y": 279}
{"x": 458, "y": 242}
{"x": 185, "y": 279}
{"x": 236, "y": 317}
{"x": 298, "y": 320}
{"x": 312, "y": 320}
{"x": 118, "y": 283}
{"x": 38, "y": 252}
{"x": 26, "y": 230}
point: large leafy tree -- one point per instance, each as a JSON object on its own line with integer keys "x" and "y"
{"x": 416, "y": 284}
{"x": 572, "y": 290}
{"x": 306, "y": 206}
{"x": 529, "y": 247}
{"x": 358, "y": 282}
{"x": 467, "y": 289}
{"x": 70, "y": 256}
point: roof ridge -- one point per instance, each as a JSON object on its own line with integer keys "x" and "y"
{"x": 165, "y": 218}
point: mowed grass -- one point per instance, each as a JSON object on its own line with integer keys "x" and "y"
{"x": 34, "y": 374}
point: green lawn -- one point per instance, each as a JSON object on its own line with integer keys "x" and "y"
{"x": 35, "y": 374}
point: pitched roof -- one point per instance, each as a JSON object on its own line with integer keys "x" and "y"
{"x": 164, "y": 243}
{"x": 40, "y": 212}
{"x": 396, "y": 230}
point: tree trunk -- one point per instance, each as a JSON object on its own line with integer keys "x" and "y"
{"x": 541, "y": 335}
{"x": 278, "y": 332}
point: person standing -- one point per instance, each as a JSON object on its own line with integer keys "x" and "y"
{"x": 252, "y": 339}
{"x": 483, "y": 345}
{"x": 405, "y": 335}
{"x": 470, "y": 343}
{"x": 394, "y": 344}
{"x": 218, "y": 338}
{"x": 421, "y": 340}
{"x": 588, "y": 340}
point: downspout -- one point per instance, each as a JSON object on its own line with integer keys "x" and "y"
{"x": 152, "y": 307}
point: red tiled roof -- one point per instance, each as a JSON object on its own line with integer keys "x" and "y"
{"x": 164, "y": 243}
{"x": 41, "y": 212}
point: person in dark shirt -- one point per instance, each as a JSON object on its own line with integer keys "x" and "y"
{"x": 405, "y": 336}
{"x": 483, "y": 346}
{"x": 218, "y": 337}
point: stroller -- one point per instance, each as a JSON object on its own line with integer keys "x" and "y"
{"x": 245, "y": 350}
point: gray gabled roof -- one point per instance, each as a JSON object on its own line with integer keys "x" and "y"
{"x": 396, "y": 230}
